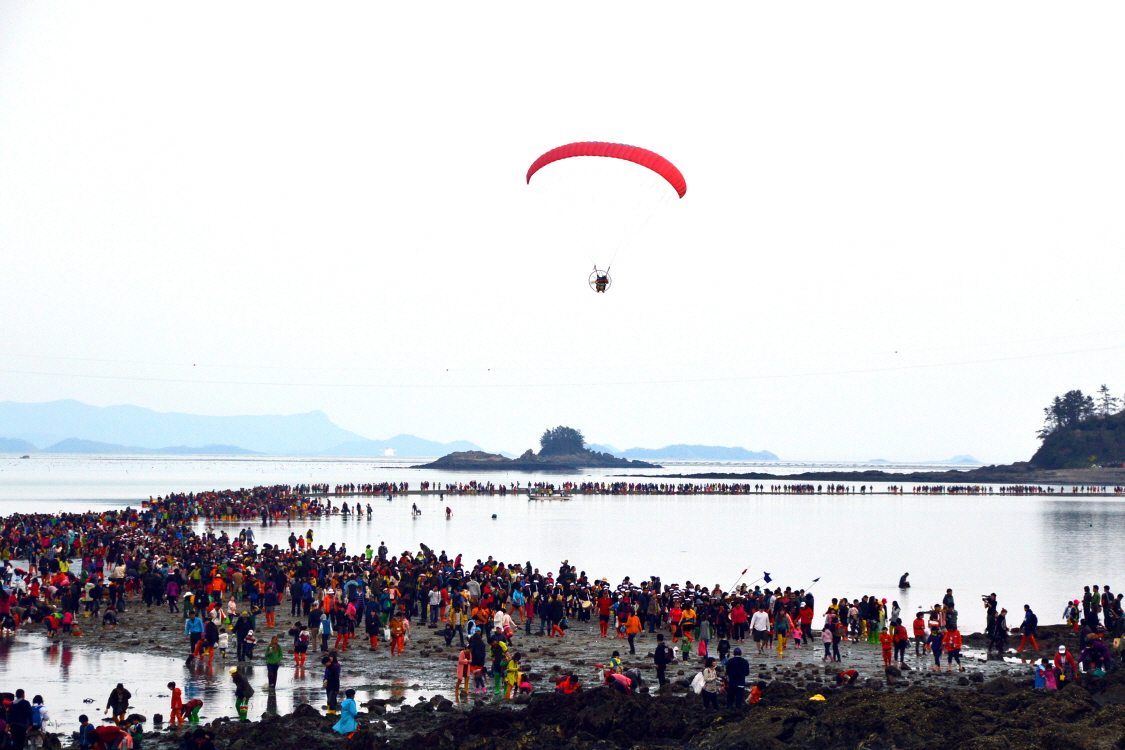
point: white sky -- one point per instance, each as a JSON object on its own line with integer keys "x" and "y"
{"x": 334, "y": 194}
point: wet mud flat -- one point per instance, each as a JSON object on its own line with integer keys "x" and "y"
{"x": 429, "y": 665}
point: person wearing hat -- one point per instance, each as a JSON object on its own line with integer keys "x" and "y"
{"x": 1066, "y": 667}
{"x": 250, "y": 642}
{"x": 1070, "y": 614}
{"x": 738, "y": 669}
{"x": 1000, "y": 633}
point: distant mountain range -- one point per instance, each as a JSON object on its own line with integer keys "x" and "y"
{"x": 689, "y": 453}
{"x": 73, "y": 427}
{"x": 401, "y": 445}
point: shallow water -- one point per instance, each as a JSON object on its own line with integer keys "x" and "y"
{"x": 855, "y": 545}
{"x": 67, "y": 676}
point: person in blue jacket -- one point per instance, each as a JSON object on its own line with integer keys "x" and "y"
{"x": 347, "y": 725}
{"x": 1029, "y": 627}
{"x": 193, "y": 629}
{"x": 934, "y": 644}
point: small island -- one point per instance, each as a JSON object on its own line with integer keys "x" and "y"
{"x": 560, "y": 449}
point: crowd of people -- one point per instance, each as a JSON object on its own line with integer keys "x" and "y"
{"x": 84, "y": 569}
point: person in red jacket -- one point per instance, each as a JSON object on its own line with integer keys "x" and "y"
{"x": 568, "y": 685}
{"x": 1066, "y": 667}
{"x": 951, "y": 641}
{"x": 109, "y": 737}
{"x": 604, "y": 605}
{"x": 675, "y": 615}
{"x": 806, "y": 618}
{"x": 901, "y": 639}
{"x": 176, "y": 717}
{"x": 919, "y": 634}
{"x": 886, "y": 641}
{"x": 738, "y": 620}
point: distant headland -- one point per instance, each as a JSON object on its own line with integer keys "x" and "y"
{"x": 1083, "y": 443}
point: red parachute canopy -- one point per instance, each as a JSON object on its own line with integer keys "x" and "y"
{"x": 644, "y": 157}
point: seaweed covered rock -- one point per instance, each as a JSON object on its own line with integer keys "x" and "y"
{"x": 999, "y": 714}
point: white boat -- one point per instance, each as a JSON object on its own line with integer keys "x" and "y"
{"x": 546, "y": 495}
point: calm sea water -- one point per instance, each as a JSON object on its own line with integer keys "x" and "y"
{"x": 1028, "y": 550}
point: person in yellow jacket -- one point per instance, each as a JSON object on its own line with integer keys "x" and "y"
{"x": 687, "y": 622}
{"x": 458, "y": 618}
{"x": 512, "y": 675}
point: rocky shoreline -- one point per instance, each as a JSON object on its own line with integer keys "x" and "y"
{"x": 1001, "y": 713}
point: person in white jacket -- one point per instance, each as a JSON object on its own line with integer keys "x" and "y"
{"x": 760, "y": 627}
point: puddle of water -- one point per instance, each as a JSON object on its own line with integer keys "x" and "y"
{"x": 68, "y": 676}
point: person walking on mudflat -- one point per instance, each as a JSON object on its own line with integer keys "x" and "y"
{"x": 1029, "y": 628}
{"x": 243, "y": 692}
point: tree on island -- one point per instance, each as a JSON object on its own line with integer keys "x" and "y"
{"x": 1067, "y": 411}
{"x": 562, "y": 441}
{"x": 1107, "y": 404}
{"x": 1081, "y": 431}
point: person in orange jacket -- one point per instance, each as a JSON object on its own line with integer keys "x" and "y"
{"x": 398, "y": 635}
{"x": 952, "y": 643}
{"x": 568, "y": 685}
{"x": 632, "y": 627}
{"x": 886, "y": 642}
{"x": 756, "y": 693}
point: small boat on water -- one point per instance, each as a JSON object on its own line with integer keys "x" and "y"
{"x": 546, "y": 495}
